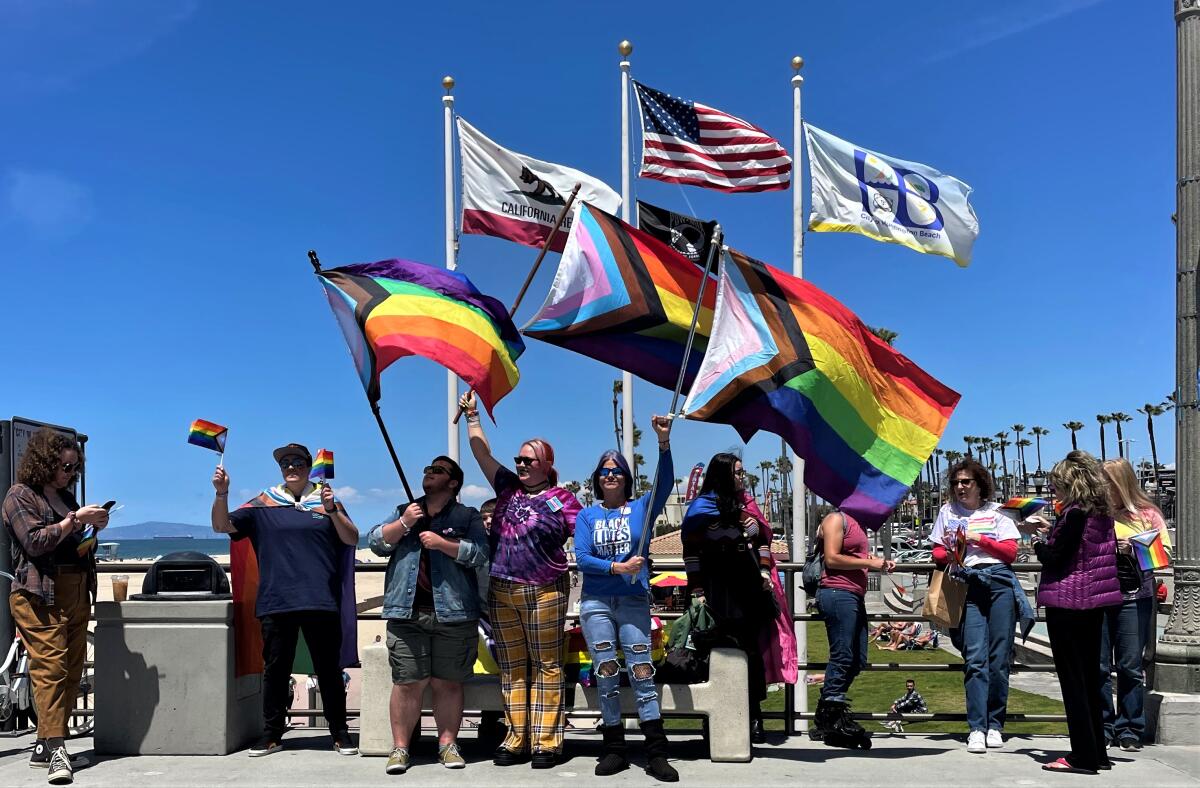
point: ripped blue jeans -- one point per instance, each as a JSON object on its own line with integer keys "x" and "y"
{"x": 620, "y": 622}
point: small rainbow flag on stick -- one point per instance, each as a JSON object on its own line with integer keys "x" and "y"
{"x": 322, "y": 469}
{"x": 207, "y": 435}
{"x": 1150, "y": 551}
{"x": 1026, "y": 506}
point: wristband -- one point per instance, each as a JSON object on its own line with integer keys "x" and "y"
{"x": 223, "y": 495}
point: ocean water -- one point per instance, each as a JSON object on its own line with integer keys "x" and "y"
{"x": 130, "y": 549}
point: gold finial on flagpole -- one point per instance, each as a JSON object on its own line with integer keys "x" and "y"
{"x": 797, "y": 63}
{"x": 448, "y": 83}
{"x": 625, "y": 48}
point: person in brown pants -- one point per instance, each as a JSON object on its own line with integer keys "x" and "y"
{"x": 55, "y": 570}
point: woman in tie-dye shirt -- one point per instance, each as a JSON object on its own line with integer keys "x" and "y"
{"x": 527, "y": 598}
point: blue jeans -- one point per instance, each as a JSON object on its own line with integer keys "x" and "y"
{"x": 845, "y": 617}
{"x": 609, "y": 623}
{"x": 1123, "y": 639}
{"x": 985, "y": 639}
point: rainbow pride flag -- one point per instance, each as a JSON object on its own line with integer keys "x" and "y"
{"x": 322, "y": 467}
{"x": 1150, "y": 551}
{"x": 788, "y": 358}
{"x": 396, "y": 308}
{"x": 208, "y": 435}
{"x": 1025, "y": 506}
{"x": 626, "y": 299}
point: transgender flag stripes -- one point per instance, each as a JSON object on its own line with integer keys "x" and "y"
{"x": 687, "y": 142}
{"x": 786, "y": 357}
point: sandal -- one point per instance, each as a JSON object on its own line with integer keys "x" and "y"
{"x": 1062, "y": 765}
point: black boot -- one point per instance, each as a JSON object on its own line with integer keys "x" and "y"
{"x": 757, "y": 734}
{"x": 656, "y": 752}
{"x": 614, "y": 757}
{"x": 825, "y": 720}
{"x": 847, "y": 724}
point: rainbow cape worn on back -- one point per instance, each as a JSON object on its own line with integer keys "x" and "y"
{"x": 396, "y": 308}
{"x": 243, "y": 570}
{"x": 788, "y": 358}
{"x": 626, "y": 299}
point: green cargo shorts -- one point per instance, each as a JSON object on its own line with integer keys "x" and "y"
{"x": 421, "y": 646}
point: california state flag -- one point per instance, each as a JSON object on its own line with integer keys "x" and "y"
{"x": 516, "y": 197}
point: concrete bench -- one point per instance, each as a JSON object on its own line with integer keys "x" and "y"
{"x": 722, "y": 700}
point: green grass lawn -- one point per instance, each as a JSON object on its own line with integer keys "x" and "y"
{"x": 943, "y": 692}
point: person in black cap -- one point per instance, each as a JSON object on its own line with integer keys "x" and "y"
{"x": 300, "y": 533}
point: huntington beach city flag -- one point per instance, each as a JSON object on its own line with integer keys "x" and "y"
{"x": 396, "y": 308}
{"x": 208, "y": 435}
{"x": 322, "y": 467}
{"x": 688, "y": 142}
{"x": 512, "y": 196}
{"x": 788, "y": 358}
{"x": 855, "y": 190}
{"x": 626, "y": 299}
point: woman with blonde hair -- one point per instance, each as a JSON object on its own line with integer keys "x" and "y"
{"x": 1079, "y": 581}
{"x": 1127, "y": 629}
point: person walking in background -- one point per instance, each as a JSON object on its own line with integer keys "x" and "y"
{"x": 527, "y": 601}
{"x": 1078, "y": 582}
{"x": 434, "y": 546}
{"x": 1128, "y": 628}
{"x": 300, "y": 533}
{"x": 614, "y": 606}
{"x": 51, "y": 597}
{"x": 994, "y": 596}
{"x": 722, "y": 545}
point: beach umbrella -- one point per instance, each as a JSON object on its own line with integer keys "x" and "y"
{"x": 669, "y": 580}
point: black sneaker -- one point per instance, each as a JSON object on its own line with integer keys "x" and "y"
{"x": 265, "y": 746}
{"x": 40, "y": 758}
{"x": 1130, "y": 744}
{"x": 343, "y": 744}
{"x": 61, "y": 771}
{"x": 506, "y": 757}
{"x": 544, "y": 759}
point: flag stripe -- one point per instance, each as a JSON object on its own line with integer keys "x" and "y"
{"x": 726, "y": 173}
{"x": 723, "y": 184}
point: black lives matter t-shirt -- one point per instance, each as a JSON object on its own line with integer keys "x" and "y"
{"x": 298, "y": 553}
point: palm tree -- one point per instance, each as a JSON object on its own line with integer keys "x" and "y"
{"x": 766, "y": 466}
{"x": 970, "y": 441}
{"x": 1150, "y": 410}
{"x": 1038, "y": 432}
{"x": 887, "y": 335}
{"x": 989, "y": 445}
{"x": 1100, "y": 417}
{"x": 1018, "y": 429}
{"x": 1002, "y": 442}
{"x": 752, "y": 481}
{"x": 1118, "y": 419}
{"x": 1074, "y": 427}
{"x": 1021, "y": 444}
{"x": 617, "y": 387}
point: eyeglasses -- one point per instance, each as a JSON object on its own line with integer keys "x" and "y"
{"x": 69, "y": 467}
{"x": 604, "y": 473}
{"x": 962, "y": 482}
{"x": 433, "y": 470}
{"x": 524, "y": 460}
{"x": 740, "y": 474}
{"x": 293, "y": 462}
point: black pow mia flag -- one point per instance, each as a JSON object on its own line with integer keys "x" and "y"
{"x": 687, "y": 235}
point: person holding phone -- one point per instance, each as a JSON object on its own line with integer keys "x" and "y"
{"x": 51, "y": 598}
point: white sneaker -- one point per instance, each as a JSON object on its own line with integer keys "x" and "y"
{"x": 976, "y": 742}
{"x": 994, "y": 739}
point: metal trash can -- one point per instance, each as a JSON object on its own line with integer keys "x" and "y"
{"x": 165, "y": 681}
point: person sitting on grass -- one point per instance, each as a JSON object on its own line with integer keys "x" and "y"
{"x": 910, "y": 702}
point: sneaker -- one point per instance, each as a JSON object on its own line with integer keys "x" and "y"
{"x": 61, "y": 771}
{"x": 450, "y": 757}
{"x": 40, "y": 758}
{"x": 343, "y": 744}
{"x": 977, "y": 742}
{"x": 1130, "y": 744}
{"x": 994, "y": 739}
{"x": 265, "y": 746}
{"x": 397, "y": 761}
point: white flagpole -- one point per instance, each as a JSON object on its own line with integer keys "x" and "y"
{"x": 452, "y": 430}
{"x": 625, "y": 48}
{"x": 799, "y": 494}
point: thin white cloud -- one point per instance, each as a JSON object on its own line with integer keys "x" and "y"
{"x": 48, "y": 204}
{"x": 475, "y": 494}
{"x": 348, "y": 494}
{"x": 1009, "y": 19}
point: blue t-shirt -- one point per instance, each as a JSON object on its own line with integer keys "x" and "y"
{"x": 604, "y": 536}
{"x": 298, "y": 555}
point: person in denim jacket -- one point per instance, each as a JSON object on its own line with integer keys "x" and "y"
{"x": 431, "y": 604}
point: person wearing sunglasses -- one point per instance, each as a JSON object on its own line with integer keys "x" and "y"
{"x": 50, "y": 600}
{"x": 304, "y": 544}
{"x": 528, "y": 593}
{"x": 614, "y": 607}
{"x": 995, "y": 599}
{"x": 434, "y": 545}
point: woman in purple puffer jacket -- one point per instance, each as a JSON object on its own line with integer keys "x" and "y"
{"x": 1079, "y": 580}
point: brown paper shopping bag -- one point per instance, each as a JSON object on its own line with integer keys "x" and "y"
{"x": 945, "y": 601}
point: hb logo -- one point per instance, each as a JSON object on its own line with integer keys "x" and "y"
{"x": 907, "y": 196}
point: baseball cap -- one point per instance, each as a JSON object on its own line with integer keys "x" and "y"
{"x": 293, "y": 448}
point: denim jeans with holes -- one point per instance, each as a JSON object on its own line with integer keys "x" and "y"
{"x": 620, "y": 622}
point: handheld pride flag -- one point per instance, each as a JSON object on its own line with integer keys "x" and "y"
{"x": 322, "y": 469}
{"x": 1150, "y": 551}
{"x": 207, "y": 435}
{"x": 1025, "y": 506}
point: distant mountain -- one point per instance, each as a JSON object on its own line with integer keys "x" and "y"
{"x": 153, "y": 529}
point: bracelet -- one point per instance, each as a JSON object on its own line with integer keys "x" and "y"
{"x": 223, "y": 495}
{"x": 664, "y": 445}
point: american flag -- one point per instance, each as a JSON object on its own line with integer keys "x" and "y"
{"x": 687, "y": 142}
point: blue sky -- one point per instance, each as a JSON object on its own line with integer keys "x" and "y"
{"x": 166, "y": 165}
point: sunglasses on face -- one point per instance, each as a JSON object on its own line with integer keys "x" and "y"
{"x": 962, "y": 482}
{"x": 293, "y": 462}
{"x": 69, "y": 467}
{"x": 433, "y": 470}
{"x": 740, "y": 474}
{"x": 524, "y": 460}
{"x": 604, "y": 473}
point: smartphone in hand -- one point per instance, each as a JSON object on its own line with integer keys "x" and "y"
{"x": 108, "y": 505}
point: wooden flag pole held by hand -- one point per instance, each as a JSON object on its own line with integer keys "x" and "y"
{"x": 538, "y": 262}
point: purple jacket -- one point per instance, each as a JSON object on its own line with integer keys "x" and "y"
{"x": 1084, "y": 577}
